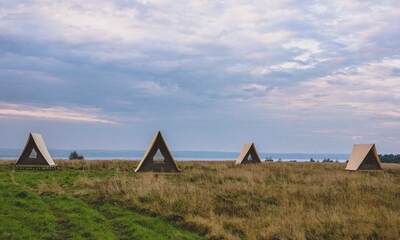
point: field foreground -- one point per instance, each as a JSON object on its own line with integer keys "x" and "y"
{"x": 207, "y": 200}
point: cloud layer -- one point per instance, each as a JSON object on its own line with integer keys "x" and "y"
{"x": 314, "y": 68}
{"x": 52, "y": 113}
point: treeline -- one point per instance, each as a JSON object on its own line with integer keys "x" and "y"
{"x": 75, "y": 156}
{"x": 390, "y": 158}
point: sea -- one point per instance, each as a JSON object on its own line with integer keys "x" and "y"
{"x": 12, "y": 154}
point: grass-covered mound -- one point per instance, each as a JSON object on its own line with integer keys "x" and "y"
{"x": 107, "y": 200}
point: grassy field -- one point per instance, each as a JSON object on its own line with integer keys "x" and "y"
{"x": 207, "y": 200}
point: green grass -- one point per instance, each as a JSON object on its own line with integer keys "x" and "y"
{"x": 40, "y": 205}
{"x": 130, "y": 225}
{"x": 23, "y": 215}
{"x": 77, "y": 220}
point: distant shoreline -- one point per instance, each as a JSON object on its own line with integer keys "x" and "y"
{"x": 177, "y": 159}
{"x": 12, "y": 154}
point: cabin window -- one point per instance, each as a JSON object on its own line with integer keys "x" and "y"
{"x": 33, "y": 154}
{"x": 158, "y": 157}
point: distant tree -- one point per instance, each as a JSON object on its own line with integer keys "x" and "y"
{"x": 312, "y": 160}
{"x": 269, "y": 159}
{"x": 327, "y": 160}
{"x": 75, "y": 156}
{"x": 390, "y": 158}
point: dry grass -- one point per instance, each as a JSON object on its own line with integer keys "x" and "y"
{"x": 267, "y": 201}
{"x": 123, "y": 165}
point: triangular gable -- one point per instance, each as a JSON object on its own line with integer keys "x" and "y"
{"x": 248, "y": 154}
{"x": 35, "y": 152}
{"x": 364, "y": 157}
{"x": 148, "y": 163}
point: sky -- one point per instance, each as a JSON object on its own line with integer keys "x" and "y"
{"x": 291, "y": 76}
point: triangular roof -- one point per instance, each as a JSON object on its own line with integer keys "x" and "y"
{"x": 35, "y": 143}
{"x": 248, "y": 150}
{"x": 364, "y": 157}
{"x": 148, "y": 163}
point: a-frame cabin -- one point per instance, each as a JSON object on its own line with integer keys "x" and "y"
{"x": 35, "y": 153}
{"x": 364, "y": 157}
{"x": 152, "y": 162}
{"x": 248, "y": 155}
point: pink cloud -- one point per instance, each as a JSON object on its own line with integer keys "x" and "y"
{"x": 88, "y": 115}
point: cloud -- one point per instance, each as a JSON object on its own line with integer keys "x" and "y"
{"x": 28, "y": 75}
{"x": 294, "y": 61}
{"x": 254, "y": 87}
{"x": 154, "y": 88}
{"x": 53, "y": 113}
{"x": 369, "y": 89}
{"x": 290, "y": 66}
{"x": 288, "y": 35}
{"x": 308, "y": 46}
